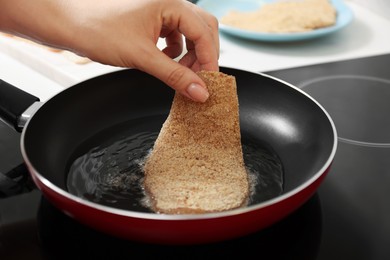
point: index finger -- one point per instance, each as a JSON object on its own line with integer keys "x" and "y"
{"x": 201, "y": 32}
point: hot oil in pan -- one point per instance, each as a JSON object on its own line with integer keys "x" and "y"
{"x": 112, "y": 175}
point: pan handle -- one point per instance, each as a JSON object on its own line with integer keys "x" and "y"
{"x": 13, "y": 103}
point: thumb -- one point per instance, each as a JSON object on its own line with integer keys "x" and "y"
{"x": 175, "y": 75}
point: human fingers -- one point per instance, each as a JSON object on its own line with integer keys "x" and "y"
{"x": 201, "y": 32}
{"x": 179, "y": 77}
{"x": 213, "y": 24}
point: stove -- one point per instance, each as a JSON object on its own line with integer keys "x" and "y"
{"x": 355, "y": 195}
{"x": 347, "y": 218}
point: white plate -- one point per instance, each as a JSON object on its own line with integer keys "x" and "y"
{"x": 220, "y": 7}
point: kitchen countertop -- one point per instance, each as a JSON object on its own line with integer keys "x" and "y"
{"x": 44, "y": 73}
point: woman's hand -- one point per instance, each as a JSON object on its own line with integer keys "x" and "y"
{"x": 125, "y": 33}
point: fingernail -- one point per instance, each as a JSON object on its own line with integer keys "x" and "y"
{"x": 197, "y": 92}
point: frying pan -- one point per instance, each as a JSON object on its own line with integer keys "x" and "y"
{"x": 274, "y": 115}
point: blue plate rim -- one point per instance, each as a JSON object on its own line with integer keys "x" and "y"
{"x": 344, "y": 17}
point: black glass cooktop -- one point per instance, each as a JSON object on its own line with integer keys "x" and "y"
{"x": 348, "y": 218}
{"x": 354, "y": 197}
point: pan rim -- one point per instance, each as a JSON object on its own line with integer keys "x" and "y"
{"x": 188, "y": 217}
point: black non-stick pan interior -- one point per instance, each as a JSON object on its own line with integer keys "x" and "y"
{"x": 272, "y": 114}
